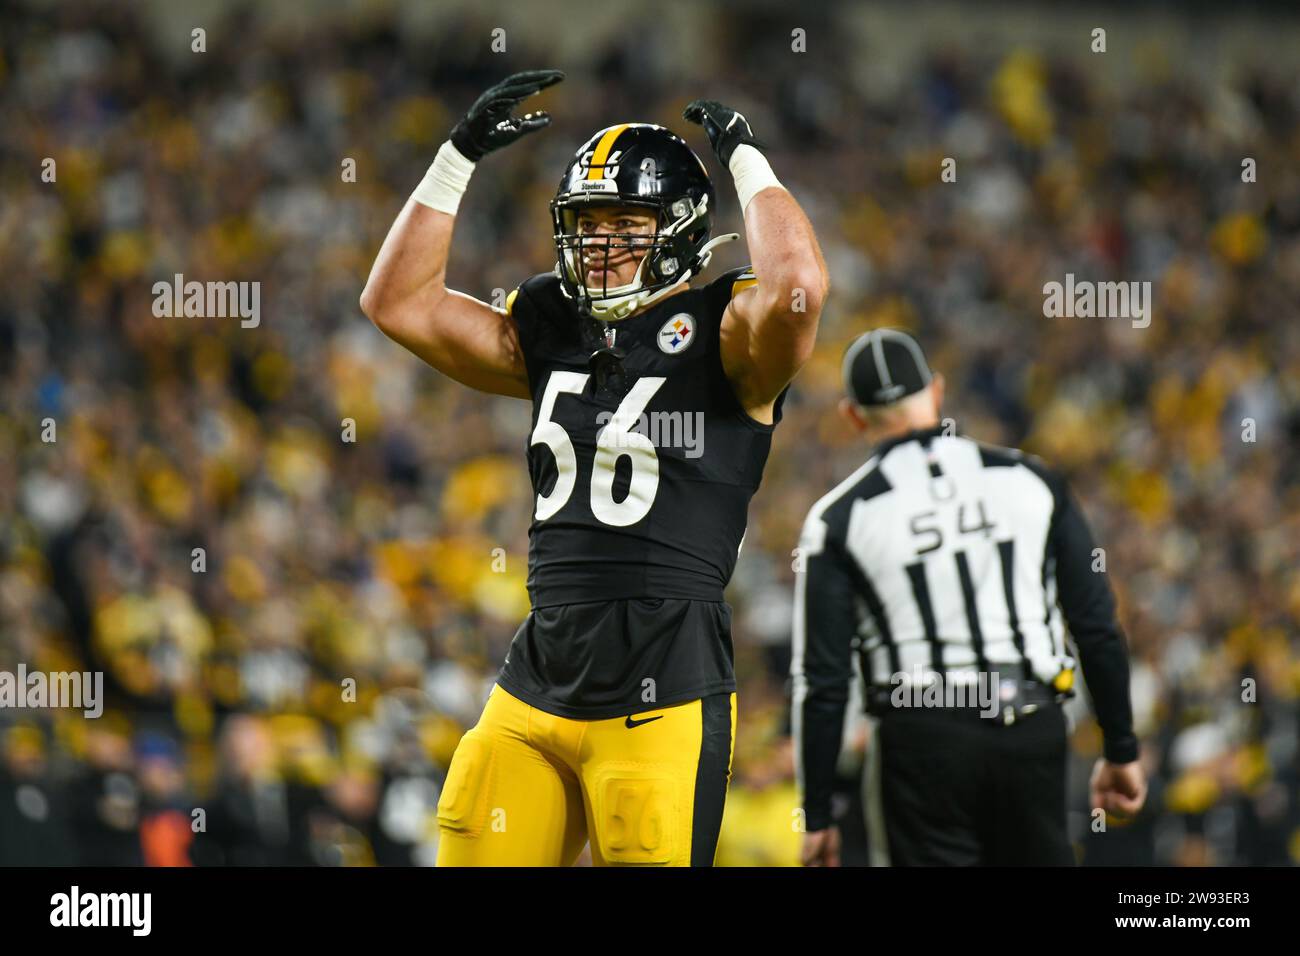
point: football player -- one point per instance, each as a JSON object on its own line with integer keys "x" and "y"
{"x": 613, "y": 718}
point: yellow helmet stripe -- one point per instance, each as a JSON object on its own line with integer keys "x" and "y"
{"x": 599, "y": 156}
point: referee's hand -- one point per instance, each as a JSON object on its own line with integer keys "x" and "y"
{"x": 821, "y": 848}
{"x": 1118, "y": 788}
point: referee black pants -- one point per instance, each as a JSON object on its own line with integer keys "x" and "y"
{"x": 952, "y": 788}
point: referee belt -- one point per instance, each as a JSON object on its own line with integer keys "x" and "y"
{"x": 1016, "y": 697}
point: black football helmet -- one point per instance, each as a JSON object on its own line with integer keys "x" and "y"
{"x": 640, "y": 165}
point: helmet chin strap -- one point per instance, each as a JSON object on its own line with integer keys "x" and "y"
{"x": 619, "y": 306}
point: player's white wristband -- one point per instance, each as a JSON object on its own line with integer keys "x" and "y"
{"x": 752, "y": 173}
{"x": 445, "y": 182}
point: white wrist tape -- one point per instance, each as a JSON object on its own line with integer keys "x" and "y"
{"x": 445, "y": 182}
{"x": 752, "y": 173}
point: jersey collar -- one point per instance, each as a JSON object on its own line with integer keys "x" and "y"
{"x": 922, "y": 435}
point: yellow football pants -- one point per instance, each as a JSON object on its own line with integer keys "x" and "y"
{"x": 528, "y": 788}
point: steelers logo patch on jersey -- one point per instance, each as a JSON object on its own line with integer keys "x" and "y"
{"x": 677, "y": 334}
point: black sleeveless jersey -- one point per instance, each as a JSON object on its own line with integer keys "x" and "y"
{"x": 642, "y": 471}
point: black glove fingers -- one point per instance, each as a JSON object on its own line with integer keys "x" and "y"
{"x": 698, "y": 110}
{"x": 727, "y": 128}
{"x": 498, "y": 107}
{"x": 520, "y": 91}
{"x": 539, "y": 78}
{"x": 517, "y": 88}
{"x": 534, "y": 122}
{"x": 527, "y": 122}
{"x": 489, "y": 125}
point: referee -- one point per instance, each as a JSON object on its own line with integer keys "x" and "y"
{"x": 939, "y": 565}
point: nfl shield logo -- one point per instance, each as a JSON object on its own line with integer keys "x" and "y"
{"x": 677, "y": 334}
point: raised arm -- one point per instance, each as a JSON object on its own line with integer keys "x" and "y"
{"x": 406, "y": 295}
{"x": 769, "y": 329}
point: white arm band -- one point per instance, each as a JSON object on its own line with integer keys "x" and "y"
{"x": 752, "y": 173}
{"x": 445, "y": 182}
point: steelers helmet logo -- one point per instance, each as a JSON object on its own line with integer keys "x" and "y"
{"x": 677, "y": 334}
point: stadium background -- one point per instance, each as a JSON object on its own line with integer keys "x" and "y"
{"x": 374, "y": 560}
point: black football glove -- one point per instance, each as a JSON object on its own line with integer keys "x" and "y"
{"x": 727, "y": 129}
{"x": 488, "y": 125}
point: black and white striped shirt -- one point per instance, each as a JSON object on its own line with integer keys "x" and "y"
{"x": 944, "y": 554}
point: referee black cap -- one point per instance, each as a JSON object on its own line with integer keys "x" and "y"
{"x": 883, "y": 366}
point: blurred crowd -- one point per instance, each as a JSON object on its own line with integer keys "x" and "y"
{"x": 298, "y": 555}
